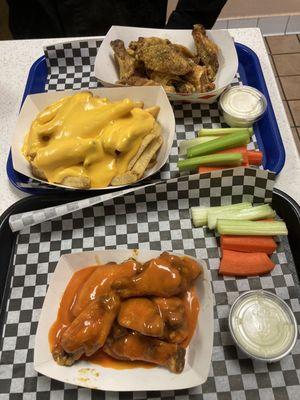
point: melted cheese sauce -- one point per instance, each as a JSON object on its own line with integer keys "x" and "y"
{"x": 65, "y": 316}
{"x": 86, "y": 136}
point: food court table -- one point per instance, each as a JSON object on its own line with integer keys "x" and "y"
{"x": 17, "y": 57}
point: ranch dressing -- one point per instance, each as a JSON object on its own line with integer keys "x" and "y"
{"x": 242, "y": 106}
{"x": 263, "y": 325}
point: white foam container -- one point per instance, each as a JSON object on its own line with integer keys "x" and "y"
{"x": 150, "y": 95}
{"x": 107, "y": 72}
{"x": 84, "y": 373}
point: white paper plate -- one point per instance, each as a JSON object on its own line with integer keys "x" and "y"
{"x": 154, "y": 95}
{"x": 107, "y": 72}
{"x": 83, "y": 373}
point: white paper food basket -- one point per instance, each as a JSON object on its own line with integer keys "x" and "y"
{"x": 149, "y": 95}
{"x": 107, "y": 72}
{"x": 84, "y": 373}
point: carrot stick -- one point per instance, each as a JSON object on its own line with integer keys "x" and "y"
{"x": 235, "y": 263}
{"x": 241, "y": 149}
{"x": 204, "y": 170}
{"x": 249, "y": 244}
{"x": 255, "y": 157}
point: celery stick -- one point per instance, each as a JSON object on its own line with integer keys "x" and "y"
{"x": 184, "y": 145}
{"x": 227, "y": 142}
{"x": 249, "y": 214}
{"x": 223, "y": 131}
{"x": 199, "y": 214}
{"x": 252, "y": 228}
{"x": 212, "y": 160}
{"x": 213, "y": 214}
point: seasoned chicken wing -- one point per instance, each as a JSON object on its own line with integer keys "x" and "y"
{"x": 99, "y": 283}
{"x": 183, "y": 50}
{"x": 167, "y": 81}
{"x": 124, "y": 60}
{"x": 149, "y": 41}
{"x": 158, "y": 61}
{"x": 133, "y": 346}
{"x": 199, "y": 79}
{"x": 207, "y": 51}
{"x": 164, "y": 276}
{"x": 141, "y": 315}
{"x": 164, "y": 58}
{"x": 88, "y": 332}
{"x": 136, "y": 80}
{"x": 184, "y": 87}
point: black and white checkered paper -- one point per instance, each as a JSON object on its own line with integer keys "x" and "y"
{"x": 157, "y": 218}
{"x": 256, "y": 184}
{"x": 71, "y": 65}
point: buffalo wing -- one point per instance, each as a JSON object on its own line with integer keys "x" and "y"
{"x": 164, "y": 276}
{"x": 88, "y": 332}
{"x": 99, "y": 283}
{"x": 133, "y": 346}
{"x": 141, "y": 315}
{"x": 173, "y": 314}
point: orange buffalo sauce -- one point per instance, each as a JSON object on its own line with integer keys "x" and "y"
{"x": 106, "y": 361}
{"x": 192, "y": 307}
{"x": 65, "y": 316}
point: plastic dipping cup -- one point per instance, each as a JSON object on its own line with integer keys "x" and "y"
{"x": 242, "y": 106}
{"x": 262, "y": 325}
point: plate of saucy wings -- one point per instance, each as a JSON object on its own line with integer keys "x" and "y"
{"x": 127, "y": 320}
{"x": 188, "y": 64}
{"x": 96, "y": 139}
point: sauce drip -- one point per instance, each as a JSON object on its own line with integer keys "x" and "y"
{"x": 66, "y": 315}
{"x": 192, "y": 307}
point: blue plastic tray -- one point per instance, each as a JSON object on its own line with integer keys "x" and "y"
{"x": 266, "y": 129}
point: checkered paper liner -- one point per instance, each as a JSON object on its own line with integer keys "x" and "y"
{"x": 157, "y": 218}
{"x": 228, "y": 183}
{"x": 71, "y": 66}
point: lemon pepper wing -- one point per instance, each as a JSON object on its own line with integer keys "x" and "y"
{"x": 125, "y": 61}
{"x": 164, "y": 58}
{"x": 207, "y": 51}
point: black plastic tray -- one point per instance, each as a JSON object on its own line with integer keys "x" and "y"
{"x": 12, "y": 257}
{"x": 284, "y": 205}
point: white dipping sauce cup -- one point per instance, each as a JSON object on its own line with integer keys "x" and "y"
{"x": 242, "y": 106}
{"x": 262, "y": 325}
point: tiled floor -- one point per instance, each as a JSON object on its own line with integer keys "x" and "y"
{"x": 284, "y": 53}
